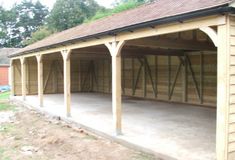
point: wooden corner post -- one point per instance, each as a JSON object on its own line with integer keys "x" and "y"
{"x": 40, "y": 79}
{"x": 115, "y": 51}
{"x": 225, "y": 130}
{"x": 12, "y": 78}
{"x": 67, "y": 81}
{"x": 23, "y": 77}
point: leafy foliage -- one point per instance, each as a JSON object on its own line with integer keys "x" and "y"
{"x": 69, "y": 13}
{"x": 40, "y": 34}
{"x": 19, "y": 22}
{"x": 119, "y": 6}
{"x": 29, "y": 22}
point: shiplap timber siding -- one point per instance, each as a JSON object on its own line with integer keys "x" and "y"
{"x": 231, "y": 136}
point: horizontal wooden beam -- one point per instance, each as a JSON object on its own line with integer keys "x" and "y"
{"x": 172, "y": 44}
{"x": 136, "y": 34}
{"x": 174, "y": 27}
{"x": 130, "y": 50}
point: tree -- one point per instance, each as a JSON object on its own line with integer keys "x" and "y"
{"x": 69, "y": 13}
{"x": 30, "y": 16}
{"x": 40, "y": 34}
{"x": 18, "y": 23}
{"x": 7, "y": 19}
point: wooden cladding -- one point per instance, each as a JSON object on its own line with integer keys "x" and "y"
{"x": 231, "y": 118}
{"x": 190, "y": 78}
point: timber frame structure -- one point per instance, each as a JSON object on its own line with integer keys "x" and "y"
{"x": 169, "y": 59}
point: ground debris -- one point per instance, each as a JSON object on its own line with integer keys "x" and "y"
{"x": 28, "y": 150}
{"x": 39, "y": 136}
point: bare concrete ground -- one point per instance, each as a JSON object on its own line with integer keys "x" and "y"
{"x": 28, "y": 135}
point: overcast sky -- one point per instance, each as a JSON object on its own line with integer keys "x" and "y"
{"x": 8, "y": 3}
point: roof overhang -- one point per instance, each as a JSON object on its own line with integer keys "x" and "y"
{"x": 223, "y": 9}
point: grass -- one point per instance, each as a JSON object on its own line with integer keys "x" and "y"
{"x": 6, "y": 106}
{"x": 90, "y": 137}
{"x": 2, "y": 151}
{"x": 6, "y": 128}
{"x": 143, "y": 156}
{"x": 4, "y": 96}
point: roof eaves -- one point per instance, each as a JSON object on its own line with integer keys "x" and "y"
{"x": 225, "y": 8}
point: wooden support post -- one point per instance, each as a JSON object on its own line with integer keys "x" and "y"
{"x": 12, "y": 78}
{"x": 223, "y": 79}
{"x": 115, "y": 51}
{"x": 40, "y": 79}
{"x": 67, "y": 81}
{"x": 225, "y": 129}
{"x": 23, "y": 77}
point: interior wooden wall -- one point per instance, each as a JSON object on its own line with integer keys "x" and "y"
{"x": 93, "y": 74}
{"x": 150, "y": 76}
{"x": 162, "y": 70}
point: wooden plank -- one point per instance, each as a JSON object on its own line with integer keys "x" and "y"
{"x": 175, "y": 79}
{"x": 232, "y": 50}
{"x": 231, "y": 128}
{"x": 115, "y": 51}
{"x": 144, "y": 79}
{"x": 178, "y": 44}
{"x": 222, "y": 94}
{"x": 138, "y": 77}
{"x": 156, "y": 76}
{"x": 231, "y": 147}
{"x": 232, "y": 89}
{"x": 232, "y": 41}
{"x": 133, "y": 75}
{"x": 67, "y": 81}
{"x": 48, "y": 76}
{"x": 232, "y": 70}
{"x": 23, "y": 78}
{"x": 232, "y": 59}
{"x": 123, "y": 76}
{"x": 40, "y": 79}
{"x": 169, "y": 76}
{"x": 232, "y": 109}
{"x": 231, "y": 155}
{"x": 231, "y": 137}
{"x": 232, "y": 118}
{"x": 201, "y": 77}
{"x": 185, "y": 80}
{"x": 232, "y": 80}
{"x": 193, "y": 77}
{"x": 232, "y": 99}
{"x": 12, "y": 73}
{"x": 148, "y": 71}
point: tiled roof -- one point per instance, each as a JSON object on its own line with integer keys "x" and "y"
{"x": 156, "y": 10}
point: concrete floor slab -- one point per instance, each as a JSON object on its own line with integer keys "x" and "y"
{"x": 181, "y": 131}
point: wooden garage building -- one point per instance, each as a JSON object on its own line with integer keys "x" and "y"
{"x": 177, "y": 51}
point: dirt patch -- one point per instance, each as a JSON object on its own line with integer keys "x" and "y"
{"x": 30, "y": 135}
